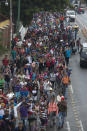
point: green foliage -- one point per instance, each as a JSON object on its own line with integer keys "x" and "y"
{"x": 3, "y": 50}
{"x": 28, "y": 7}
{"x": 1, "y": 34}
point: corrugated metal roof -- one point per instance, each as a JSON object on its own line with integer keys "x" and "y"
{"x": 5, "y": 23}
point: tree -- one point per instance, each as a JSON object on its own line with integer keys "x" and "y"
{"x": 28, "y": 7}
{"x": 1, "y": 37}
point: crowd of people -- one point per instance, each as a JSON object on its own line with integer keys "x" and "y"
{"x": 34, "y": 81}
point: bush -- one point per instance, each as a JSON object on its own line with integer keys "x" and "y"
{"x": 3, "y": 50}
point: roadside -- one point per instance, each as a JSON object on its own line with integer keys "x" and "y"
{"x": 82, "y": 24}
{"x": 74, "y": 121}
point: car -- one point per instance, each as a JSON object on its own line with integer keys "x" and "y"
{"x": 83, "y": 55}
{"x": 71, "y": 14}
{"x": 81, "y": 10}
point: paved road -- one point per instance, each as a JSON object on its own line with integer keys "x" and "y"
{"x": 77, "y": 93}
{"x": 77, "y": 115}
{"x": 82, "y": 19}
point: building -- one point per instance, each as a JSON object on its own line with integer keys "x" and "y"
{"x": 4, "y": 31}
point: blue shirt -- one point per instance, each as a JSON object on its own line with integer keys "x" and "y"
{"x": 24, "y": 110}
{"x": 68, "y": 53}
{"x": 17, "y": 88}
{"x": 33, "y": 76}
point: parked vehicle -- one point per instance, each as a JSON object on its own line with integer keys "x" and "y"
{"x": 71, "y": 14}
{"x": 81, "y": 10}
{"x": 83, "y": 55}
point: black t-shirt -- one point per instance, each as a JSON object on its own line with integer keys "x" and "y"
{"x": 62, "y": 106}
{"x": 6, "y": 117}
{"x": 25, "y": 61}
{"x": 17, "y": 129}
{"x": 3, "y": 126}
{"x": 18, "y": 63}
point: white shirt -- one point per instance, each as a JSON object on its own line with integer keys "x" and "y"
{"x": 23, "y": 83}
{"x": 51, "y": 51}
{"x": 10, "y": 95}
{"x": 29, "y": 59}
{"x": 15, "y": 110}
{"x": 38, "y": 84}
{"x": 58, "y": 98}
{"x": 29, "y": 44}
{"x": 47, "y": 85}
{"x": 34, "y": 91}
{"x": 31, "y": 106}
{"x": 2, "y": 112}
{"x": 21, "y": 76}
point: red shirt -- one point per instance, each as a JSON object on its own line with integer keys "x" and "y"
{"x": 5, "y": 62}
{"x": 3, "y": 96}
{"x": 16, "y": 39}
{"x": 48, "y": 64}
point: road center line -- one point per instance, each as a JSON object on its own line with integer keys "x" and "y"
{"x": 68, "y": 125}
{"x": 81, "y": 125}
{"x": 71, "y": 89}
{"x": 80, "y": 22}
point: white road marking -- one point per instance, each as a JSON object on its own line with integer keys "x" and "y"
{"x": 79, "y": 20}
{"x": 81, "y": 125}
{"x": 71, "y": 89}
{"x": 68, "y": 125}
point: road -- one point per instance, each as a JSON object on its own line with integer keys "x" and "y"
{"x": 82, "y": 19}
{"x": 77, "y": 93}
{"x": 77, "y": 111}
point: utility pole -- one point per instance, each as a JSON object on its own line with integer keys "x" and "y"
{"x": 11, "y": 26}
{"x": 18, "y": 19}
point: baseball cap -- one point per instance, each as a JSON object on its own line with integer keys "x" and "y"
{"x": 51, "y": 89}
{"x": 62, "y": 97}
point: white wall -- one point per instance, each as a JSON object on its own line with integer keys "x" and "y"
{"x": 23, "y": 31}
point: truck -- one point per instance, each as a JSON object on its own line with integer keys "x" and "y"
{"x": 71, "y": 14}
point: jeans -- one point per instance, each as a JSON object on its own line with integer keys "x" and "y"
{"x": 17, "y": 94}
{"x": 67, "y": 60}
{"x": 64, "y": 87}
{"x": 52, "y": 118}
{"x": 25, "y": 121}
{"x": 60, "y": 119}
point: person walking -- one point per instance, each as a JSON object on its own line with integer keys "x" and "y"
{"x": 78, "y": 44}
{"x": 52, "y": 111}
{"x": 62, "y": 105}
{"x": 65, "y": 83}
{"x": 67, "y": 55}
{"x": 20, "y": 127}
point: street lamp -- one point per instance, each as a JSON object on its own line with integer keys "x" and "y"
{"x": 6, "y": 3}
{"x": 11, "y": 26}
